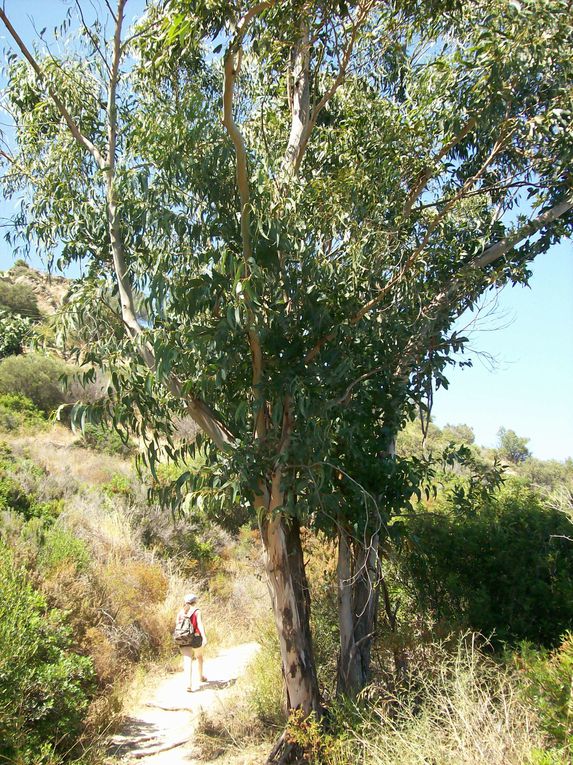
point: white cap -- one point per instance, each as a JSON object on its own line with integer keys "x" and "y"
{"x": 190, "y": 597}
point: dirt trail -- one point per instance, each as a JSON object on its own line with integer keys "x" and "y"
{"x": 159, "y": 731}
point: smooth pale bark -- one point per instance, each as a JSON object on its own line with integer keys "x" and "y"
{"x": 358, "y": 593}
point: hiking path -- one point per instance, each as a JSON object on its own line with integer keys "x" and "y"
{"x": 160, "y": 728}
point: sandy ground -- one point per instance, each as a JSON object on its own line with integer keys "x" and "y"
{"x": 159, "y": 730}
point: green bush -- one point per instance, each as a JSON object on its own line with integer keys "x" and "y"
{"x": 550, "y": 688}
{"x": 61, "y": 548}
{"x": 19, "y": 499}
{"x": 502, "y": 571}
{"x": 18, "y": 412}
{"x": 19, "y": 299}
{"x": 13, "y": 331}
{"x": 35, "y": 376}
{"x": 266, "y": 694}
{"x": 20, "y": 265}
{"x": 44, "y": 686}
{"x": 119, "y": 485}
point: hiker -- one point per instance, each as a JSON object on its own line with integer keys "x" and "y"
{"x": 189, "y": 620}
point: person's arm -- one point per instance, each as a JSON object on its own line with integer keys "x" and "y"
{"x": 200, "y": 627}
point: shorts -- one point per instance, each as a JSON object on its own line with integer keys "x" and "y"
{"x": 195, "y": 653}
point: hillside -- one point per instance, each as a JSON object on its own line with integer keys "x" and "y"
{"x": 48, "y": 290}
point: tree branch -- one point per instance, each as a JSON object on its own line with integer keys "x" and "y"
{"x": 232, "y": 66}
{"x": 344, "y": 398}
{"x": 303, "y": 119}
{"x": 431, "y": 228}
{"x": 299, "y": 98}
{"x": 73, "y": 127}
{"x": 93, "y": 39}
{"x": 412, "y": 258}
{"x": 426, "y": 174}
{"x": 232, "y": 69}
{"x": 497, "y": 250}
{"x": 447, "y": 296}
{"x": 127, "y": 302}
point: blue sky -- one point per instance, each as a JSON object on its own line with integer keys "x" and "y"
{"x": 529, "y": 387}
{"x": 530, "y": 336}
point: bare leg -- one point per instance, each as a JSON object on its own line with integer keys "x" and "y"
{"x": 200, "y": 667}
{"x": 188, "y": 669}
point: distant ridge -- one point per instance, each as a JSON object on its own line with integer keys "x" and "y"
{"x": 50, "y": 290}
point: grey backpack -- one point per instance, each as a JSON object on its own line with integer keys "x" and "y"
{"x": 186, "y": 634}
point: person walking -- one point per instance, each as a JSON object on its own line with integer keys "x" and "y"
{"x": 189, "y": 653}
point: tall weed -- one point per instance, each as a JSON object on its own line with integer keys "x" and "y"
{"x": 466, "y": 710}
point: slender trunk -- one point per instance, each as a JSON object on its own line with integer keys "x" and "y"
{"x": 291, "y": 606}
{"x": 358, "y": 580}
{"x": 400, "y": 658}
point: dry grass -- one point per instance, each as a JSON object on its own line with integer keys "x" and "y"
{"x": 56, "y": 451}
{"x": 465, "y": 710}
{"x": 244, "y": 730}
{"x": 468, "y": 711}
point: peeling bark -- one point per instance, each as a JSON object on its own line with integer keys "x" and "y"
{"x": 291, "y": 606}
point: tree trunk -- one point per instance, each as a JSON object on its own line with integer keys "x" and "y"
{"x": 291, "y": 606}
{"x": 358, "y": 588}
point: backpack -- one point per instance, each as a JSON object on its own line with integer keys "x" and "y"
{"x": 186, "y": 634}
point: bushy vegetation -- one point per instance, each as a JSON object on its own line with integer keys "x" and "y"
{"x": 35, "y": 376}
{"x": 17, "y": 412}
{"x": 106, "y": 440}
{"x": 505, "y": 569}
{"x": 17, "y": 298}
{"x": 45, "y": 685}
{"x": 13, "y": 332}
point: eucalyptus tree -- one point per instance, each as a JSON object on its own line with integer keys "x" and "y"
{"x": 307, "y": 193}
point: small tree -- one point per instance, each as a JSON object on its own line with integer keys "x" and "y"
{"x": 303, "y": 259}
{"x": 512, "y": 447}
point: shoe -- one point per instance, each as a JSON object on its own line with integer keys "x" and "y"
{"x": 204, "y": 680}
{"x": 189, "y": 690}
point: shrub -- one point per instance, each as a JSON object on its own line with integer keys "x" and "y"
{"x": 106, "y": 440}
{"x": 13, "y": 331}
{"x": 36, "y": 377}
{"x": 17, "y": 411}
{"x": 16, "y": 498}
{"x": 499, "y": 571}
{"x": 61, "y": 548}
{"x": 550, "y": 688}
{"x": 120, "y": 485}
{"x": 20, "y": 265}
{"x": 44, "y": 686}
{"x": 18, "y": 299}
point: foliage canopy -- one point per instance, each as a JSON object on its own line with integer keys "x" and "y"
{"x": 303, "y": 259}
